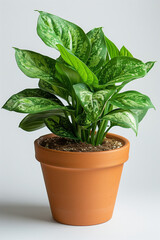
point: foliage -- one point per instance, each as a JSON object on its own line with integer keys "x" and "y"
{"x": 88, "y": 75}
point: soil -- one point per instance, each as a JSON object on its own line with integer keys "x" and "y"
{"x": 64, "y": 144}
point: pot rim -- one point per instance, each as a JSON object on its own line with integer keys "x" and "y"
{"x": 110, "y": 135}
{"x": 82, "y": 160}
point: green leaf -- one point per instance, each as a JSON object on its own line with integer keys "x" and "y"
{"x": 35, "y": 105}
{"x": 30, "y": 92}
{"x": 61, "y": 127}
{"x": 35, "y": 121}
{"x": 85, "y": 73}
{"x": 45, "y": 86}
{"x": 124, "y": 52}
{"x": 132, "y": 100}
{"x": 67, "y": 75}
{"x": 112, "y": 49}
{"x": 93, "y": 103}
{"x": 140, "y": 113}
{"x": 34, "y": 65}
{"x": 83, "y": 120}
{"x": 149, "y": 66}
{"x": 121, "y": 69}
{"x": 33, "y": 101}
{"x": 123, "y": 118}
{"x": 54, "y": 30}
{"x": 98, "y": 49}
{"x": 54, "y": 87}
{"x": 122, "y": 85}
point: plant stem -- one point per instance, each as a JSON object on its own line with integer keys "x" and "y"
{"x": 83, "y": 135}
{"x": 100, "y": 132}
{"x": 79, "y": 131}
{"x": 93, "y": 133}
{"x": 104, "y": 134}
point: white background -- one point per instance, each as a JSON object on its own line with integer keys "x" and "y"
{"x": 24, "y": 208}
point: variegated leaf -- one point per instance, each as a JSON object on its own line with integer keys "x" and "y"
{"x": 54, "y": 30}
{"x": 60, "y": 126}
{"x": 140, "y": 113}
{"x": 30, "y": 92}
{"x": 149, "y": 66}
{"x": 54, "y": 87}
{"x": 132, "y": 100}
{"x": 98, "y": 49}
{"x": 93, "y": 103}
{"x": 34, "y": 65}
{"x": 123, "y": 118}
{"x": 33, "y": 101}
{"x": 120, "y": 69}
{"x": 85, "y": 73}
{"x": 35, "y": 105}
{"x": 83, "y": 120}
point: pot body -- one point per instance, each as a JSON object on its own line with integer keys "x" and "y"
{"x": 82, "y": 186}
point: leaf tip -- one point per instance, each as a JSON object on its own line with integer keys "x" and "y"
{"x": 15, "y": 48}
{"x": 5, "y": 107}
{"x": 153, "y": 107}
{"x": 149, "y": 65}
{"x": 37, "y": 11}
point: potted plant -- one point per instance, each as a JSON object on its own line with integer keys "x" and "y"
{"x": 80, "y": 160}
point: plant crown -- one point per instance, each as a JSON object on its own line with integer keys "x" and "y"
{"x": 89, "y": 75}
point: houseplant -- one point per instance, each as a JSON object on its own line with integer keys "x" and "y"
{"x": 88, "y": 75}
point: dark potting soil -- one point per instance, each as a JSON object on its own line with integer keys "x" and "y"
{"x": 64, "y": 144}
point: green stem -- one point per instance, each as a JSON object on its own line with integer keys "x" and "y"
{"x": 104, "y": 134}
{"x": 93, "y": 133}
{"x": 100, "y": 132}
{"x": 79, "y": 131}
{"x": 83, "y": 135}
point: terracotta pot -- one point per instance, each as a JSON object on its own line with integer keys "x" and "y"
{"x": 82, "y": 186}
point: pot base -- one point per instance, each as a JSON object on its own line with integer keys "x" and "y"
{"x": 83, "y": 223}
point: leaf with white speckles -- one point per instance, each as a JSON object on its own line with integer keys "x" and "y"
{"x": 123, "y": 118}
{"x": 34, "y": 65}
{"x": 149, "y": 66}
{"x": 54, "y": 30}
{"x": 140, "y": 113}
{"x": 53, "y": 86}
{"x": 120, "y": 69}
{"x": 33, "y": 101}
{"x": 131, "y": 100}
{"x": 35, "y": 105}
{"x": 93, "y": 103}
{"x": 83, "y": 120}
{"x": 98, "y": 49}
{"x": 60, "y": 126}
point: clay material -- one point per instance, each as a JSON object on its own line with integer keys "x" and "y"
{"x": 82, "y": 186}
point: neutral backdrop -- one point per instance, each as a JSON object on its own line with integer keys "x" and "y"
{"x": 24, "y": 208}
